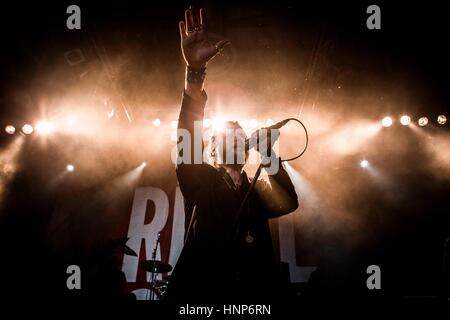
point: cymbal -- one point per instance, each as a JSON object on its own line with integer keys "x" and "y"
{"x": 155, "y": 266}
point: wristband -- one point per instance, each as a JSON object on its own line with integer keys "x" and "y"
{"x": 195, "y": 75}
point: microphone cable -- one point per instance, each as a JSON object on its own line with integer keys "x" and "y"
{"x": 306, "y": 142}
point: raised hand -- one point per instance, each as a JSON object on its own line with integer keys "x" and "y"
{"x": 197, "y": 48}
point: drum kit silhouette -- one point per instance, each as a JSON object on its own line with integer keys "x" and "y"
{"x": 156, "y": 287}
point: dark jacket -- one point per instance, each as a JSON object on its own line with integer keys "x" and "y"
{"x": 215, "y": 265}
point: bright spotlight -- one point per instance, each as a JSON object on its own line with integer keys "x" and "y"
{"x": 9, "y": 129}
{"x": 144, "y": 164}
{"x": 174, "y": 124}
{"x": 218, "y": 124}
{"x": 253, "y": 123}
{"x": 206, "y": 123}
{"x": 405, "y": 120}
{"x": 111, "y": 113}
{"x": 156, "y": 122}
{"x": 387, "y": 122}
{"x": 70, "y": 168}
{"x": 422, "y": 121}
{"x": 441, "y": 119}
{"x": 364, "y": 163}
{"x": 27, "y": 129}
{"x": 44, "y": 127}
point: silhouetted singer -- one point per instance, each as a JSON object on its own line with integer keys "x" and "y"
{"x": 215, "y": 265}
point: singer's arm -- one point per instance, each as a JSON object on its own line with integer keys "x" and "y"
{"x": 195, "y": 178}
{"x": 279, "y": 198}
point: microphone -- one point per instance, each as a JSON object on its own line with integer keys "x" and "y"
{"x": 253, "y": 140}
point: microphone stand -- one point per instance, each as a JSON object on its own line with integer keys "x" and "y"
{"x": 258, "y": 171}
{"x": 277, "y": 125}
{"x": 247, "y": 195}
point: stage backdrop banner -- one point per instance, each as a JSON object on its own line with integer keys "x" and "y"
{"x": 168, "y": 220}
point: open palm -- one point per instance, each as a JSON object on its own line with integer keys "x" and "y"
{"x": 197, "y": 48}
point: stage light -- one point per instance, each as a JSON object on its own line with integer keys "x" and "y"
{"x": 27, "y": 129}
{"x": 253, "y": 123}
{"x": 387, "y": 122}
{"x": 70, "y": 168}
{"x": 144, "y": 164}
{"x": 206, "y": 123}
{"x": 110, "y": 114}
{"x": 156, "y": 122}
{"x": 364, "y": 163}
{"x": 423, "y": 121}
{"x": 405, "y": 120}
{"x": 218, "y": 124}
{"x": 9, "y": 129}
{"x": 441, "y": 119}
{"x": 44, "y": 127}
{"x": 174, "y": 124}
